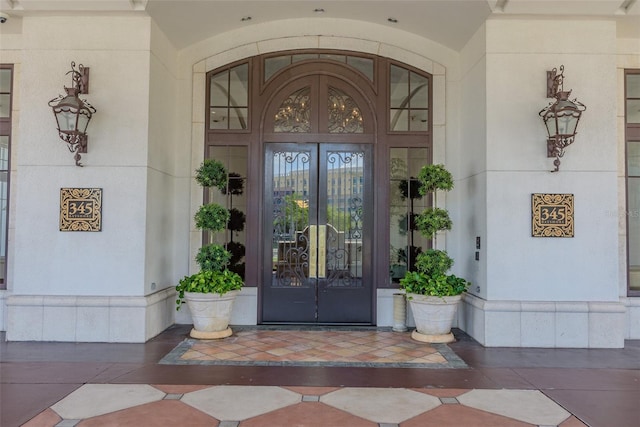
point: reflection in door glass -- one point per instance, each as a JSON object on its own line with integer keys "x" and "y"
{"x": 290, "y": 241}
{"x": 234, "y": 198}
{"x": 404, "y": 198}
{"x": 343, "y": 236}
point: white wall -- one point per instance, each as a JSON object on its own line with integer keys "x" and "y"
{"x": 470, "y": 168}
{"x": 520, "y": 267}
{"x": 543, "y": 292}
{"x": 48, "y": 261}
{"x": 164, "y": 142}
{"x": 94, "y": 286}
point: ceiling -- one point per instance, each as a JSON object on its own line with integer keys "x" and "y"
{"x": 448, "y": 22}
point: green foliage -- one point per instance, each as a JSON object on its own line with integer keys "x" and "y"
{"x": 212, "y": 173}
{"x": 212, "y": 217}
{"x": 434, "y": 177}
{"x": 213, "y": 257}
{"x": 207, "y": 281}
{"x": 296, "y": 214}
{"x": 214, "y": 275}
{"x": 436, "y": 286}
{"x": 432, "y": 220}
{"x": 429, "y": 276}
{"x": 434, "y": 262}
{"x": 339, "y": 219}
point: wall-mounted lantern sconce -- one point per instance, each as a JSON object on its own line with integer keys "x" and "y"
{"x": 72, "y": 113}
{"x": 560, "y": 117}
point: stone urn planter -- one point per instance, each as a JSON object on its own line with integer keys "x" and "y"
{"x": 210, "y": 313}
{"x": 433, "y": 317}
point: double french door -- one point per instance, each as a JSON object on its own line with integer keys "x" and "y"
{"x": 318, "y": 234}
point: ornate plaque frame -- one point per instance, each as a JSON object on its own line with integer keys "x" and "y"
{"x": 81, "y": 209}
{"x": 551, "y": 215}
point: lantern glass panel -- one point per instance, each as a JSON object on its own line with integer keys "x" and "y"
{"x": 83, "y": 122}
{"x": 550, "y": 122}
{"x": 567, "y": 124}
{"x": 66, "y": 121}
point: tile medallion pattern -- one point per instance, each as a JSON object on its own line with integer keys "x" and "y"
{"x": 355, "y": 348}
{"x": 260, "y": 406}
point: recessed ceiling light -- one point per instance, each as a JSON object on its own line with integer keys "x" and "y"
{"x": 318, "y": 10}
{"x": 392, "y": 20}
{"x": 246, "y": 18}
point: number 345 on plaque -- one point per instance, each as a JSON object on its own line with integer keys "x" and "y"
{"x": 80, "y": 209}
{"x": 552, "y": 215}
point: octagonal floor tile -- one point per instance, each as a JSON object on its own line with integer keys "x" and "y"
{"x": 156, "y": 414}
{"x": 91, "y": 400}
{"x": 458, "y": 415}
{"x": 381, "y": 405}
{"x": 308, "y": 414}
{"x": 44, "y": 418}
{"x": 237, "y": 403}
{"x": 530, "y": 406}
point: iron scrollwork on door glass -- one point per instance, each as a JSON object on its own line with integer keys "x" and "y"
{"x": 345, "y": 183}
{"x": 344, "y": 113}
{"x": 290, "y": 243}
{"x": 294, "y": 113}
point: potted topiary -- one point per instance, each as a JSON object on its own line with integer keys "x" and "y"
{"x": 433, "y": 294}
{"x": 210, "y": 293}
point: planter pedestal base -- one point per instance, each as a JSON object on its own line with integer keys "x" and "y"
{"x": 434, "y": 339}
{"x": 201, "y": 335}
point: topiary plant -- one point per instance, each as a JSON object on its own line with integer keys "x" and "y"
{"x": 212, "y": 173}
{"x": 430, "y": 275}
{"x": 213, "y": 259}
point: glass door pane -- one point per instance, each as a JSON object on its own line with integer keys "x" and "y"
{"x": 290, "y": 236}
{"x": 344, "y": 209}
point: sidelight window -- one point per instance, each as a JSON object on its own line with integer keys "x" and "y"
{"x": 234, "y": 198}
{"x": 6, "y": 85}
{"x": 405, "y": 201}
{"x": 632, "y": 135}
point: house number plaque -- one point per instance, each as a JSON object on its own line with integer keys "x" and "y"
{"x": 552, "y": 215}
{"x": 80, "y": 209}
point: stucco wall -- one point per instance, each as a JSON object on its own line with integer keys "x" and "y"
{"x": 582, "y": 268}
{"x": 471, "y": 172}
{"x": 92, "y": 286}
{"x": 164, "y": 141}
{"x": 116, "y": 159}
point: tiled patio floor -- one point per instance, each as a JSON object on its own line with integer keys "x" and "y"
{"x": 356, "y": 348}
{"x": 92, "y": 384}
{"x": 94, "y": 405}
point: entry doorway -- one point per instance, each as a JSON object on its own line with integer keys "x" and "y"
{"x": 282, "y": 115}
{"x": 318, "y": 225}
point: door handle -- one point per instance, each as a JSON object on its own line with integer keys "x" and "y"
{"x": 317, "y": 251}
{"x": 322, "y": 251}
{"x": 313, "y": 251}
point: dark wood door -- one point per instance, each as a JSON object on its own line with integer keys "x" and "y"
{"x": 318, "y": 225}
